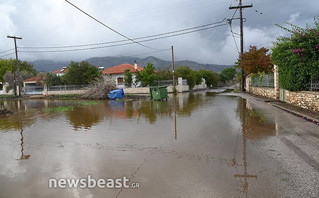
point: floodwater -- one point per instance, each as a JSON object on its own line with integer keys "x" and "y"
{"x": 194, "y": 145}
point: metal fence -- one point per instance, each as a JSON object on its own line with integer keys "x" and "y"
{"x": 264, "y": 81}
{"x": 66, "y": 87}
{"x": 314, "y": 84}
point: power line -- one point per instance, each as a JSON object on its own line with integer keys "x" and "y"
{"x": 108, "y": 26}
{"x": 6, "y": 50}
{"x": 120, "y": 41}
{"x": 7, "y": 54}
{"x": 164, "y": 50}
{"x": 123, "y": 44}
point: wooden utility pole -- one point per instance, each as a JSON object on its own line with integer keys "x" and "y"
{"x": 174, "y": 89}
{"x": 245, "y": 129}
{"x": 241, "y": 7}
{"x": 16, "y": 68}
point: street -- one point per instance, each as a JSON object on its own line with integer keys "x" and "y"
{"x": 199, "y": 144}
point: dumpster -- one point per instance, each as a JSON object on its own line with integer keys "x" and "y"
{"x": 158, "y": 92}
{"x": 116, "y": 94}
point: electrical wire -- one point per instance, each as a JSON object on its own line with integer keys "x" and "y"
{"x": 6, "y": 51}
{"x": 123, "y": 44}
{"x": 109, "y": 26}
{"x": 121, "y": 41}
{"x": 7, "y": 54}
{"x": 230, "y": 21}
{"x": 151, "y": 52}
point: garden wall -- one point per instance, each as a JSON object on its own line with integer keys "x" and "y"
{"x": 304, "y": 99}
{"x": 263, "y": 91}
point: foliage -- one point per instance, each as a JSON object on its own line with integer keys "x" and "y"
{"x": 128, "y": 77}
{"x": 192, "y": 77}
{"x": 228, "y": 74}
{"x": 9, "y": 78}
{"x": 164, "y": 74}
{"x": 49, "y": 79}
{"x": 81, "y": 73}
{"x": 297, "y": 56}
{"x": 210, "y": 77}
{"x": 98, "y": 90}
{"x": 147, "y": 76}
{"x": 9, "y": 66}
{"x": 256, "y": 60}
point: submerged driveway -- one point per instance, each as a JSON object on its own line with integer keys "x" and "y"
{"x": 195, "y": 145}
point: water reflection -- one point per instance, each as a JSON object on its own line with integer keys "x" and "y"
{"x": 23, "y": 156}
{"x": 257, "y": 126}
{"x": 246, "y": 117}
{"x": 254, "y": 126}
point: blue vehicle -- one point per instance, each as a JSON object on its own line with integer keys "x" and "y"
{"x": 116, "y": 94}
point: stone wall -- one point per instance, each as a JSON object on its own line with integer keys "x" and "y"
{"x": 304, "y": 99}
{"x": 263, "y": 91}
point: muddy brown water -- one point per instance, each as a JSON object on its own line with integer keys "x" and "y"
{"x": 195, "y": 145}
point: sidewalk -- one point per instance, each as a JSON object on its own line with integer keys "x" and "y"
{"x": 297, "y": 111}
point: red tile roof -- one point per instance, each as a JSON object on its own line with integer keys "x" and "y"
{"x": 62, "y": 70}
{"x": 119, "y": 69}
{"x": 32, "y": 79}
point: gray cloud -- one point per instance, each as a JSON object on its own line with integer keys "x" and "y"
{"x": 56, "y": 23}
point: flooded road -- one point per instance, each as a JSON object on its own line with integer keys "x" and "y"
{"x": 194, "y": 145}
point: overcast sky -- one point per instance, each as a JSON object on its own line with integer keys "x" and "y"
{"x": 57, "y": 23}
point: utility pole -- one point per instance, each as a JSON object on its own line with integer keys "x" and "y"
{"x": 174, "y": 89}
{"x": 16, "y": 68}
{"x": 241, "y": 7}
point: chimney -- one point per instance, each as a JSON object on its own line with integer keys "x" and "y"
{"x": 135, "y": 65}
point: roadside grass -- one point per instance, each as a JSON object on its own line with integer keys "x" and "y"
{"x": 66, "y": 96}
{"x": 8, "y": 97}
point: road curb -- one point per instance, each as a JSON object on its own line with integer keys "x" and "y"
{"x": 305, "y": 117}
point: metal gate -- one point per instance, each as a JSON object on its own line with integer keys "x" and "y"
{"x": 33, "y": 90}
{"x": 282, "y": 95}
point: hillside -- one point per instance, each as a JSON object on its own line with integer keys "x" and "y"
{"x": 49, "y": 65}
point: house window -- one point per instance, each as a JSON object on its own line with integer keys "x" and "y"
{"x": 120, "y": 80}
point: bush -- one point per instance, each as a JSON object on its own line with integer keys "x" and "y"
{"x": 297, "y": 57}
{"x": 98, "y": 90}
{"x": 192, "y": 77}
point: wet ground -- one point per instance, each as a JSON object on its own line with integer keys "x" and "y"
{"x": 195, "y": 145}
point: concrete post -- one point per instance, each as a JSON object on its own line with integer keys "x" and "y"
{"x": 180, "y": 85}
{"x": 276, "y": 81}
{"x": 248, "y": 79}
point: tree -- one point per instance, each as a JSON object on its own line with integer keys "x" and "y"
{"x": 81, "y": 73}
{"x": 297, "y": 56}
{"x": 9, "y": 78}
{"x": 49, "y": 79}
{"x": 128, "y": 77}
{"x": 147, "y": 76}
{"x": 210, "y": 77}
{"x": 9, "y": 66}
{"x": 256, "y": 60}
{"x": 192, "y": 77}
{"x": 228, "y": 74}
{"x": 164, "y": 74}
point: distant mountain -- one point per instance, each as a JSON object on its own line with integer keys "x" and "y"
{"x": 49, "y": 65}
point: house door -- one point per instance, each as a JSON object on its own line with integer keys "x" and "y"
{"x": 282, "y": 95}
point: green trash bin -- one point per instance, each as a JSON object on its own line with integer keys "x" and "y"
{"x": 158, "y": 92}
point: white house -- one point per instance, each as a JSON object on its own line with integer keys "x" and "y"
{"x": 116, "y": 73}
